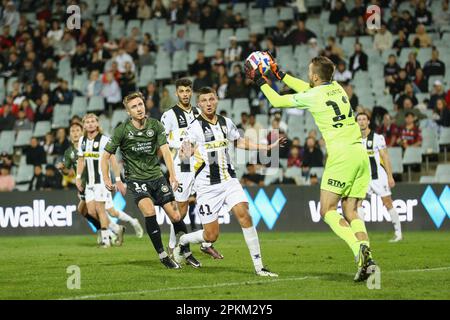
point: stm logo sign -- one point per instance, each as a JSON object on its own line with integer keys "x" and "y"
{"x": 336, "y": 183}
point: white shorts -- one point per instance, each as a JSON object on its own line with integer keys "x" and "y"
{"x": 98, "y": 192}
{"x": 185, "y": 186}
{"x": 211, "y": 199}
{"x": 380, "y": 186}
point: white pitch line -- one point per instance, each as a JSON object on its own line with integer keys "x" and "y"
{"x": 228, "y": 284}
{"x": 217, "y": 285}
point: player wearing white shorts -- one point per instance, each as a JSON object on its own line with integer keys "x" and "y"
{"x": 208, "y": 139}
{"x": 380, "y": 167}
{"x": 90, "y": 149}
{"x": 175, "y": 122}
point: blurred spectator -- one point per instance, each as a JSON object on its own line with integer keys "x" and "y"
{"x": 44, "y": 110}
{"x": 10, "y": 16}
{"x": 254, "y": 129}
{"x": 408, "y": 92}
{"x": 244, "y": 121}
{"x": 35, "y": 153}
{"x": 251, "y": 178}
{"x": 412, "y": 64}
{"x": 438, "y": 93}
{"x": 200, "y": 63}
{"x": 22, "y": 123}
{"x": 313, "y": 48}
{"x": 53, "y": 179}
{"x": 421, "y": 39}
{"x": 228, "y": 19}
{"x": 300, "y": 35}
{"x": 147, "y": 41}
{"x": 277, "y": 115}
{"x": 391, "y": 70}
{"x": 346, "y": 28}
{"x": 401, "y": 42}
{"x": 65, "y": 48}
{"x": 409, "y": 24}
{"x": 111, "y": 91}
{"x": 62, "y": 94}
{"x": 294, "y": 159}
{"x": 177, "y": 44}
{"x": 359, "y": 59}
{"x": 166, "y": 101}
{"x": 423, "y": 16}
{"x": 312, "y": 156}
{"x": 400, "y": 83}
{"x": 122, "y": 58}
{"x": 152, "y": 109}
{"x": 388, "y": 130}
{"x": 434, "y": 67}
{"x": 313, "y": 179}
{"x": 49, "y": 70}
{"x": 193, "y": 14}
{"x": 6, "y": 40}
{"x": 280, "y": 34}
{"x": 395, "y": 23}
{"x": 358, "y": 10}
{"x": 442, "y": 113}
{"x": 353, "y": 98}
{"x": 61, "y": 143}
{"x": 237, "y": 88}
{"x": 7, "y": 119}
{"x": 338, "y": 13}
{"x": 159, "y": 10}
{"x": 146, "y": 58}
{"x": 442, "y": 18}
{"x": 7, "y": 182}
{"x": 150, "y": 93}
{"x": 334, "y": 48}
{"x": 216, "y": 13}
{"x": 407, "y": 107}
{"x": 223, "y": 87}
{"x": 203, "y": 79}
{"x": 252, "y": 45}
{"x": 233, "y": 52}
{"x": 143, "y": 10}
{"x": 342, "y": 74}
{"x": 28, "y": 73}
{"x": 410, "y": 134}
{"x": 383, "y": 39}
{"x": 38, "y": 180}
{"x": 127, "y": 80}
{"x": 207, "y": 21}
{"x": 80, "y": 59}
{"x": 420, "y": 82}
{"x": 12, "y": 66}
{"x": 49, "y": 144}
{"x": 94, "y": 85}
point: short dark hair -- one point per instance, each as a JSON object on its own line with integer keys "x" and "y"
{"x": 132, "y": 96}
{"x": 323, "y": 67}
{"x": 363, "y": 114}
{"x": 183, "y": 82}
{"x": 205, "y": 90}
{"x": 76, "y": 123}
{"x": 409, "y": 113}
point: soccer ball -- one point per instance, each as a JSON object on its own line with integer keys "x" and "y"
{"x": 258, "y": 56}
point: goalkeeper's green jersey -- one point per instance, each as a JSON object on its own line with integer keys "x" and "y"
{"x": 330, "y": 107}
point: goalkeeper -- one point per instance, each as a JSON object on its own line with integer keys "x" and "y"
{"x": 346, "y": 176}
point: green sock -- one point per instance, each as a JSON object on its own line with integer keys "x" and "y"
{"x": 358, "y": 225}
{"x": 333, "y": 218}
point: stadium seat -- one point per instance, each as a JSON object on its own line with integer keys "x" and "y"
{"x": 148, "y": 26}
{"x": 96, "y": 104}
{"x": 163, "y": 31}
{"x": 224, "y": 37}
{"x": 106, "y": 19}
{"x": 318, "y": 171}
{"x": 211, "y": 36}
{"x": 118, "y": 117}
{"x": 257, "y": 28}
{"x": 271, "y": 17}
{"x": 24, "y": 173}
{"x": 255, "y": 15}
{"x": 442, "y": 169}
{"x": 286, "y": 13}
{"x": 427, "y": 179}
{"x": 163, "y": 72}
{"x": 9, "y": 86}
{"x": 117, "y": 29}
{"x": 105, "y": 124}
{"x": 445, "y": 178}
{"x": 23, "y": 138}
{"x": 271, "y": 175}
{"x": 41, "y": 128}
{"x": 412, "y": 156}
{"x": 79, "y": 106}
{"x": 263, "y": 119}
{"x": 395, "y": 154}
{"x": 102, "y": 7}
{"x": 294, "y": 173}
{"x": 210, "y": 49}
{"x": 80, "y": 82}
{"x": 225, "y": 104}
{"x": 146, "y": 75}
{"x": 242, "y": 34}
{"x": 194, "y": 34}
{"x": 7, "y": 141}
{"x": 180, "y": 61}
{"x": 61, "y": 116}
{"x": 132, "y": 24}
{"x": 444, "y": 140}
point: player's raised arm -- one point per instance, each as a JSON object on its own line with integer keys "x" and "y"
{"x": 294, "y": 83}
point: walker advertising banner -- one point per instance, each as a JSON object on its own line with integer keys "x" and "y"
{"x": 274, "y": 208}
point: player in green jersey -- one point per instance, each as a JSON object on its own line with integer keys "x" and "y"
{"x": 141, "y": 140}
{"x": 346, "y": 176}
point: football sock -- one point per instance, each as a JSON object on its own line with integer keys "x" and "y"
{"x": 94, "y": 221}
{"x": 172, "y": 237}
{"x": 192, "y": 216}
{"x": 395, "y": 221}
{"x": 251, "y": 238}
{"x": 333, "y": 218}
{"x": 361, "y": 213}
{"x": 358, "y": 226}
{"x": 125, "y": 217}
{"x": 154, "y": 233}
{"x": 114, "y": 227}
{"x": 193, "y": 237}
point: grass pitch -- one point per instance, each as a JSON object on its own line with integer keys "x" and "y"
{"x": 311, "y": 266}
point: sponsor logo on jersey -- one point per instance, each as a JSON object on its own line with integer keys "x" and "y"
{"x": 369, "y": 144}
{"x": 95, "y": 155}
{"x": 216, "y": 145}
{"x": 96, "y": 144}
{"x": 150, "y": 133}
{"x": 181, "y": 120}
{"x": 336, "y": 183}
{"x": 130, "y": 134}
{"x": 165, "y": 188}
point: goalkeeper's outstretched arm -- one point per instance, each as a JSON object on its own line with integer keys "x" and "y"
{"x": 296, "y": 84}
{"x": 276, "y": 100}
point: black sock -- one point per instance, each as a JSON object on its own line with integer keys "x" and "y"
{"x": 94, "y": 221}
{"x": 154, "y": 232}
{"x": 180, "y": 226}
{"x": 192, "y": 216}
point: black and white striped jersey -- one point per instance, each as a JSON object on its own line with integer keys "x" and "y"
{"x": 92, "y": 151}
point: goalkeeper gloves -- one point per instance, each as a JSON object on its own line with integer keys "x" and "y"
{"x": 255, "y": 74}
{"x": 274, "y": 67}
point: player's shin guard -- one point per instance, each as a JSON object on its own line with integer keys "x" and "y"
{"x": 358, "y": 226}
{"x": 251, "y": 238}
{"x": 94, "y": 221}
{"x": 396, "y": 222}
{"x": 333, "y": 219}
{"x": 193, "y": 237}
{"x": 154, "y": 232}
